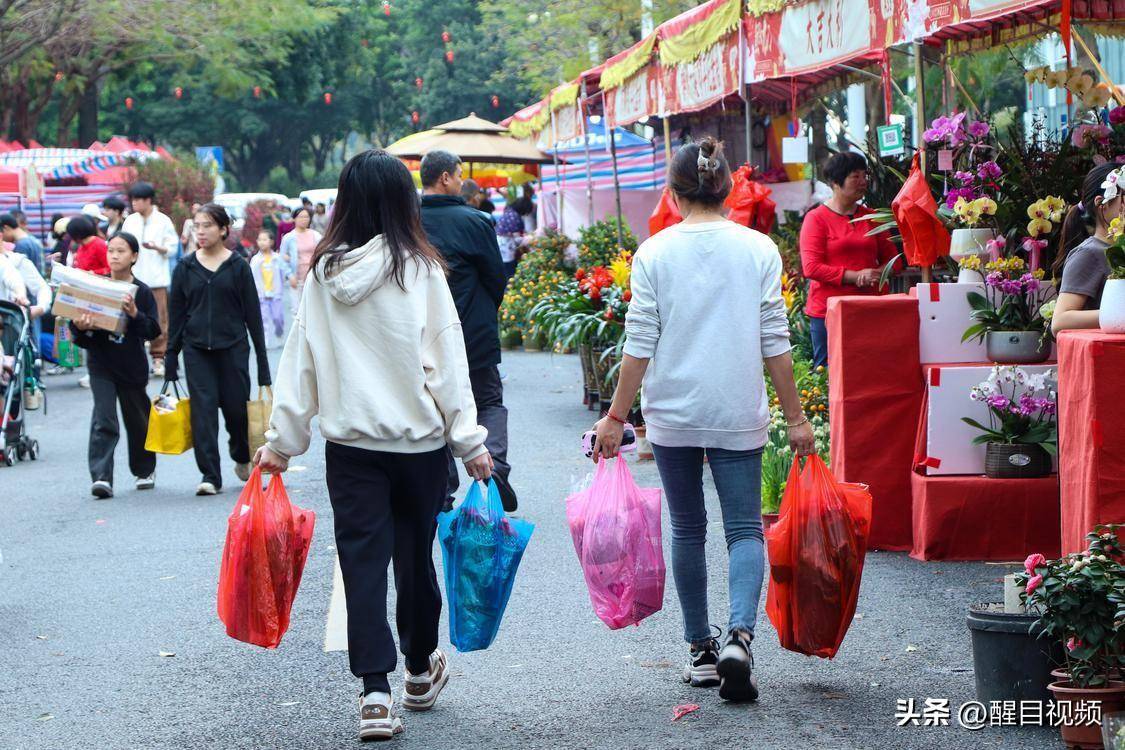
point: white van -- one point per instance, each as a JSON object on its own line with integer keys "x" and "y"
{"x": 327, "y": 196}
{"x": 236, "y": 203}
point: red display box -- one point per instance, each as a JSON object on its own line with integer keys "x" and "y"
{"x": 977, "y": 518}
{"x": 1091, "y": 433}
{"x": 875, "y": 394}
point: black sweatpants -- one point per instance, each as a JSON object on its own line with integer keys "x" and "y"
{"x": 218, "y": 379}
{"x": 488, "y": 393}
{"x": 385, "y": 507}
{"x": 105, "y": 429}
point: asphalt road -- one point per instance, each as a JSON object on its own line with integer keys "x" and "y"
{"x": 92, "y": 593}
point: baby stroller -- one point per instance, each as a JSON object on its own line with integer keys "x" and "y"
{"x": 16, "y": 368}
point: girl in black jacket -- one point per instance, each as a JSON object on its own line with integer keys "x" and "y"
{"x": 212, "y": 304}
{"x": 118, "y": 375}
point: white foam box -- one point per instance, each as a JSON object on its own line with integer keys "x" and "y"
{"x": 80, "y": 292}
{"x": 949, "y": 441}
{"x": 943, "y": 310}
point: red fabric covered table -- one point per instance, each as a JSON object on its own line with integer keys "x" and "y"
{"x": 1091, "y": 433}
{"x": 875, "y": 393}
{"x": 977, "y": 518}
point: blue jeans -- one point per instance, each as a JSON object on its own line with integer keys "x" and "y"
{"x": 738, "y": 478}
{"x": 819, "y": 333}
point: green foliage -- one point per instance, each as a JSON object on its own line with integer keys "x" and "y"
{"x": 597, "y": 243}
{"x": 178, "y": 184}
{"x": 540, "y": 272}
{"x": 777, "y": 458}
{"x": 1080, "y": 599}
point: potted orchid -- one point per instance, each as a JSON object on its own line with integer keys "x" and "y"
{"x": 1008, "y": 317}
{"x": 972, "y": 190}
{"x": 1111, "y": 316}
{"x": 1021, "y": 435}
{"x": 1081, "y": 601}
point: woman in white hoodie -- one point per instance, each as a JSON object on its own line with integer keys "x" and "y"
{"x": 705, "y": 324}
{"x": 376, "y": 351}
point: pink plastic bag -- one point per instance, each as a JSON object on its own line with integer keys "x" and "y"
{"x": 615, "y": 526}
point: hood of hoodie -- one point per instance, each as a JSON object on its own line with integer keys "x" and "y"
{"x": 361, "y": 272}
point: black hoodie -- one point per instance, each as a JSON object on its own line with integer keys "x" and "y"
{"x": 214, "y": 310}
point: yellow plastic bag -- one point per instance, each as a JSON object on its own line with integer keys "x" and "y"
{"x": 258, "y": 417}
{"x": 169, "y": 423}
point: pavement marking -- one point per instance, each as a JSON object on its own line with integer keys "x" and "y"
{"x": 336, "y": 629}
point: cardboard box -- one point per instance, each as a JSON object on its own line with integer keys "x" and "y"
{"x": 80, "y": 292}
{"x": 949, "y": 445}
{"x": 943, "y": 310}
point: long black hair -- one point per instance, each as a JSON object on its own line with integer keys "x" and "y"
{"x": 376, "y": 196}
{"x": 1082, "y": 221}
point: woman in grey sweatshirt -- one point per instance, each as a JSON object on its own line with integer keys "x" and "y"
{"x": 705, "y": 323}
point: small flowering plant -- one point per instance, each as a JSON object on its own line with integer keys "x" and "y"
{"x": 1013, "y": 299}
{"x": 1021, "y": 408}
{"x": 1080, "y": 599}
{"x": 1115, "y": 253}
{"x": 972, "y": 190}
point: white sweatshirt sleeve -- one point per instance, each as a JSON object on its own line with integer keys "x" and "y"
{"x": 774, "y": 322}
{"x": 642, "y": 321}
{"x": 295, "y": 396}
{"x": 447, "y": 380}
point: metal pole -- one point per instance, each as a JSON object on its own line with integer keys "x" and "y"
{"x": 667, "y": 146}
{"x": 558, "y": 183}
{"x": 748, "y": 123}
{"x": 616, "y": 184}
{"x": 589, "y": 174}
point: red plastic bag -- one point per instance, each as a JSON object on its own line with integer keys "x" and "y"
{"x": 749, "y": 203}
{"x": 924, "y": 237}
{"x": 816, "y": 551}
{"x": 665, "y": 215}
{"x": 264, "y": 556}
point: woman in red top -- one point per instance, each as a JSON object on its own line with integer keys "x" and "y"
{"x": 89, "y": 249}
{"x": 837, "y": 256}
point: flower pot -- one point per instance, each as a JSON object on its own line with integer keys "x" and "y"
{"x": 587, "y": 373}
{"x": 593, "y": 395}
{"x": 966, "y": 242}
{"x": 1017, "y": 347}
{"x": 533, "y": 344}
{"x": 510, "y": 341}
{"x": 1009, "y": 662}
{"x": 1016, "y": 461}
{"x": 969, "y": 276}
{"x": 1110, "y": 696}
{"x": 1111, "y": 316}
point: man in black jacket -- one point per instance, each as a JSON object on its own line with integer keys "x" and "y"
{"x": 467, "y": 241}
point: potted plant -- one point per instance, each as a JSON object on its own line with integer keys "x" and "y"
{"x": 1022, "y": 435}
{"x": 1008, "y": 316}
{"x": 1081, "y": 601}
{"x": 1111, "y": 316}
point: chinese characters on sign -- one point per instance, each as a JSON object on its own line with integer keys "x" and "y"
{"x": 975, "y": 715}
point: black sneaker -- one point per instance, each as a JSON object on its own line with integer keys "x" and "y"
{"x": 701, "y": 669}
{"x": 736, "y": 669}
{"x": 447, "y": 505}
{"x": 507, "y": 494}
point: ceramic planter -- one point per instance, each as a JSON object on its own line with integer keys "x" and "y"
{"x": 1111, "y": 316}
{"x": 969, "y": 276}
{"x": 1112, "y": 699}
{"x": 1016, "y": 461}
{"x": 1017, "y": 347}
{"x": 966, "y": 242}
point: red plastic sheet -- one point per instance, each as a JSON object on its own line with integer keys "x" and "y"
{"x": 749, "y": 201}
{"x": 665, "y": 214}
{"x": 1091, "y": 433}
{"x": 977, "y": 518}
{"x": 924, "y": 237}
{"x": 875, "y": 394}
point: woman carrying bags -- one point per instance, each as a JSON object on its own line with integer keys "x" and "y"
{"x": 212, "y": 305}
{"x": 705, "y": 395}
{"x": 376, "y": 350}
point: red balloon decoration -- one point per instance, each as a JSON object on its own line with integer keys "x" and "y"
{"x": 179, "y": 92}
{"x": 449, "y": 56}
{"x": 327, "y": 97}
{"x": 129, "y": 103}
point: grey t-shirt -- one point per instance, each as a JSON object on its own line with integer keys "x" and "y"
{"x": 1085, "y": 272}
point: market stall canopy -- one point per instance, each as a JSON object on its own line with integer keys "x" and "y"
{"x": 58, "y": 163}
{"x": 471, "y": 138}
{"x": 10, "y": 179}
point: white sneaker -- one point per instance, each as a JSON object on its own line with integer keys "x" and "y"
{"x": 206, "y": 488}
{"x": 146, "y": 483}
{"x": 102, "y": 490}
{"x": 420, "y": 692}
{"x": 377, "y": 717}
{"x": 242, "y": 471}
{"x": 158, "y": 368}
{"x": 84, "y": 381}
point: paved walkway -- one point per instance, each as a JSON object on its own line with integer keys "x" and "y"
{"x": 93, "y": 593}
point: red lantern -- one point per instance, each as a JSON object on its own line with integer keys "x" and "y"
{"x": 129, "y": 103}
{"x": 327, "y": 97}
{"x": 58, "y": 76}
{"x": 495, "y": 102}
{"x": 179, "y": 92}
{"x": 449, "y": 56}
{"x": 446, "y": 37}
{"x": 364, "y": 42}
{"x": 387, "y": 9}
{"x": 418, "y": 82}
{"x": 257, "y": 92}
{"x": 415, "y": 117}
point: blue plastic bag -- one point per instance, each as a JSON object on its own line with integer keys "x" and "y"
{"x": 482, "y": 549}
